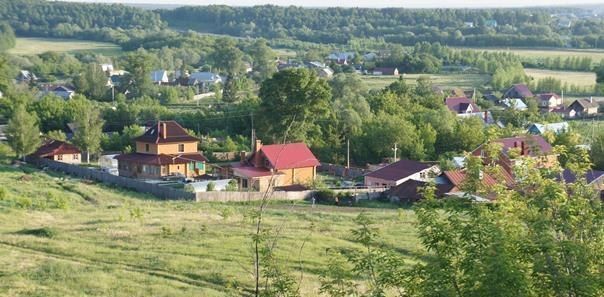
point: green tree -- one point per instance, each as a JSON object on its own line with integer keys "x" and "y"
{"x": 229, "y": 59}
{"x": 294, "y": 102}
{"x": 92, "y": 82}
{"x": 597, "y": 150}
{"x": 89, "y": 129}
{"x": 264, "y": 59}
{"x": 56, "y": 135}
{"x": 140, "y": 64}
{"x": 22, "y": 132}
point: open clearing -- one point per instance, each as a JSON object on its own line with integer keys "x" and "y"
{"x": 34, "y": 46}
{"x": 442, "y": 80}
{"x": 583, "y": 79}
{"x": 110, "y": 242}
{"x": 596, "y": 55}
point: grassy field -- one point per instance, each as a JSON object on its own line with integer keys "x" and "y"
{"x": 66, "y": 237}
{"x": 443, "y": 80}
{"x": 583, "y": 79}
{"x": 596, "y": 55}
{"x": 33, "y": 46}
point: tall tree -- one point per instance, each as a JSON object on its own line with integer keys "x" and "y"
{"x": 92, "y": 82}
{"x": 229, "y": 59}
{"x": 140, "y": 64}
{"x": 89, "y": 129}
{"x": 22, "y": 132}
{"x": 264, "y": 59}
{"x": 294, "y": 102}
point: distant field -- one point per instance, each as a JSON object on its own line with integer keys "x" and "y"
{"x": 443, "y": 80}
{"x": 570, "y": 77}
{"x": 596, "y": 55}
{"x": 33, "y": 46}
{"x": 285, "y": 53}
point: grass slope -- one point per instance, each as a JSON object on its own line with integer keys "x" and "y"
{"x": 102, "y": 241}
{"x": 34, "y": 46}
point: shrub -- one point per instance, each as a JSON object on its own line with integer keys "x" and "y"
{"x": 23, "y": 202}
{"x": 39, "y": 232}
{"x": 2, "y": 194}
{"x": 211, "y": 187}
{"x": 326, "y": 196}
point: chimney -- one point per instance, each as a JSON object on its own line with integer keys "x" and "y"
{"x": 164, "y": 133}
{"x": 524, "y": 149}
{"x": 516, "y": 144}
{"x": 486, "y": 117}
{"x": 258, "y": 145}
{"x": 242, "y": 156}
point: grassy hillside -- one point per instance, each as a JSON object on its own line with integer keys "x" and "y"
{"x": 67, "y": 237}
{"x": 34, "y": 46}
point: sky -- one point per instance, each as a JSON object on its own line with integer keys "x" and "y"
{"x": 367, "y": 3}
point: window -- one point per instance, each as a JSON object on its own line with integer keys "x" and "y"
{"x": 59, "y": 157}
{"x": 181, "y": 148}
{"x": 244, "y": 183}
{"x": 146, "y": 147}
{"x": 76, "y": 156}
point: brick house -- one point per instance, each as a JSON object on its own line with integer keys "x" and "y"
{"x": 533, "y": 146}
{"x": 281, "y": 164}
{"x": 166, "y": 149}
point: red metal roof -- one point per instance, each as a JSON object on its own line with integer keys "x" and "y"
{"x": 55, "y": 147}
{"x": 291, "y": 155}
{"x": 457, "y": 177}
{"x": 166, "y": 132}
{"x": 250, "y": 171}
{"x": 535, "y": 144}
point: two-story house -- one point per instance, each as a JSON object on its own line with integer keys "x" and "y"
{"x": 279, "y": 164}
{"x": 166, "y": 149}
{"x": 514, "y": 149}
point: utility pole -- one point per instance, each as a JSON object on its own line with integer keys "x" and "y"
{"x": 253, "y": 136}
{"x": 395, "y": 148}
{"x": 347, "y": 153}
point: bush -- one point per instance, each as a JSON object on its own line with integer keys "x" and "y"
{"x": 40, "y": 232}
{"x": 211, "y": 187}
{"x": 2, "y": 194}
{"x": 325, "y": 196}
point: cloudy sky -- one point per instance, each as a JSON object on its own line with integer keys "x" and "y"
{"x": 367, "y": 3}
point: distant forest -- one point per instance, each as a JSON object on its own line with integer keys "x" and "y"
{"x": 543, "y": 27}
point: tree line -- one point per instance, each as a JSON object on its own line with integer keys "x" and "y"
{"x": 489, "y": 27}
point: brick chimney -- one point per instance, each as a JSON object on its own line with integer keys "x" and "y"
{"x": 164, "y": 133}
{"x": 486, "y": 117}
{"x": 524, "y": 149}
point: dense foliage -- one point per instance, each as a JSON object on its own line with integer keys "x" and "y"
{"x": 490, "y": 27}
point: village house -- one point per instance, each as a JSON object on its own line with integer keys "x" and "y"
{"x": 160, "y": 77}
{"x": 401, "y": 171}
{"x": 59, "y": 151}
{"x": 203, "y": 81}
{"x": 411, "y": 191}
{"x": 385, "y": 71}
{"x": 514, "y": 103}
{"x": 549, "y": 100}
{"x": 279, "y": 164}
{"x": 556, "y": 128}
{"x": 514, "y": 149}
{"x": 594, "y": 178}
{"x": 454, "y": 180}
{"x": 63, "y": 92}
{"x": 166, "y": 149}
{"x": 582, "y": 108}
{"x": 461, "y": 105}
{"x": 26, "y": 76}
{"x": 342, "y": 58}
{"x": 518, "y": 91}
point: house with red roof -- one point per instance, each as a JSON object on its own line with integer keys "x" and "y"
{"x": 398, "y": 172}
{"x": 514, "y": 149}
{"x": 520, "y": 91}
{"x": 165, "y": 149}
{"x": 59, "y": 151}
{"x": 461, "y": 105}
{"x": 276, "y": 165}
